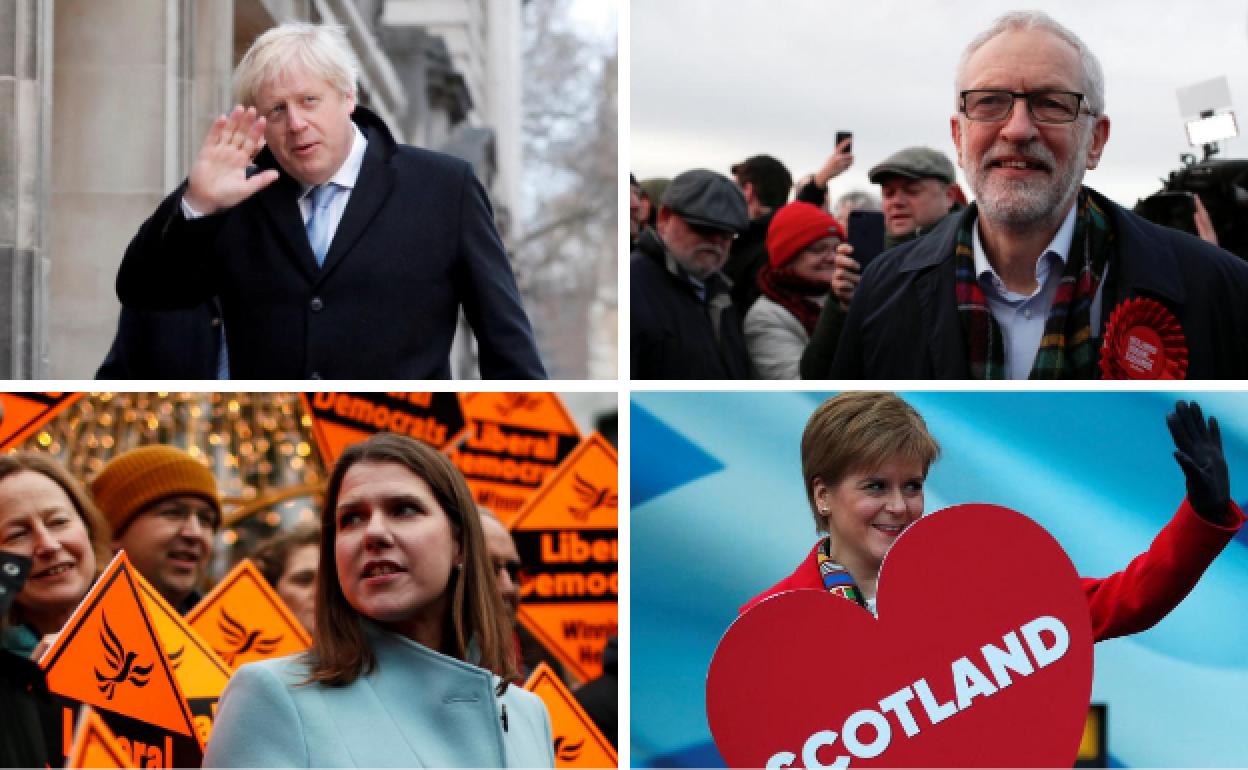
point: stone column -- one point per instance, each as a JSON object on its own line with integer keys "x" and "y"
{"x": 25, "y": 125}
{"x": 136, "y": 85}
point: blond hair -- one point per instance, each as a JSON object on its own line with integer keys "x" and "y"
{"x": 858, "y": 431}
{"x": 321, "y": 49}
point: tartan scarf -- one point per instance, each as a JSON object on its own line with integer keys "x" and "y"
{"x": 793, "y": 293}
{"x": 1070, "y": 347}
{"x": 836, "y": 579}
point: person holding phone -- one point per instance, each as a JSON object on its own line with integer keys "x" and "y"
{"x": 29, "y": 717}
{"x": 765, "y": 182}
{"x": 918, "y": 188}
{"x": 802, "y": 246}
{"x": 46, "y": 515}
{"x": 1043, "y": 277}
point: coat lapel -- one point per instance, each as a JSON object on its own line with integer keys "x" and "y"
{"x": 371, "y": 190}
{"x": 934, "y": 293}
{"x": 367, "y": 728}
{"x": 444, "y": 709}
{"x": 280, "y": 203}
{"x": 938, "y": 316}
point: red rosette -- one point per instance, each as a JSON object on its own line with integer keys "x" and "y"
{"x": 1143, "y": 341}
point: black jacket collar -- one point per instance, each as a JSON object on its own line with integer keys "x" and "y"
{"x": 1152, "y": 268}
{"x": 377, "y": 178}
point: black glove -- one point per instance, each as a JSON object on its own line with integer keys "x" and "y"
{"x": 1198, "y": 448}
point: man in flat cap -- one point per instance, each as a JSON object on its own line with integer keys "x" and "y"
{"x": 918, "y": 188}
{"x": 1043, "y": 277}
{"x": 684, "y": 324}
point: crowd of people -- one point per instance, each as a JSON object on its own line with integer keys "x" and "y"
{"x": 408, "y": 589}
{"x": 752, "y": 276}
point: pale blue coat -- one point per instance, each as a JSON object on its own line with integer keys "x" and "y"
{"x": 418, "y": 708}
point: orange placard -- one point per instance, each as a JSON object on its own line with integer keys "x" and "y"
{"x": 342, "y": 419}
{"x": 200, "y": 672}
{"x": 109, "y": 656}
{"x": 542, "y": 412}
{"x": 568, "y": 540}
{"x": 578, "y": 741}
{"x": 25, "y": 413}
{"x": 513, "y": 443}
{"x": 243, "y": 619}
{"x": 96, "y": 746}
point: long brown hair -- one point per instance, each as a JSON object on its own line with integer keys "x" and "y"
{"x": 340, "y": 652}
{"x": 98, "y": 531}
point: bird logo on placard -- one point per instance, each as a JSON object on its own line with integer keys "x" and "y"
{"x": 242, "y": 640}
{"x": 591, "y": 498}
{"x": 122, "y": 664}
{"x": 175, "y": 657}
{"x": 516, "y": 402}
{"x": 565, "y": 751}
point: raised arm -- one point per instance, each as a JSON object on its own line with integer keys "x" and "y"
{"x": 218, "y": 177}
{"x": 1154, "y": 583}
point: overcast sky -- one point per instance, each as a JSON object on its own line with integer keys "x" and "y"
{"x": 714, "y": 81}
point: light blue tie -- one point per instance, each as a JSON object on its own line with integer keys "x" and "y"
{"x": 318, "y": 224}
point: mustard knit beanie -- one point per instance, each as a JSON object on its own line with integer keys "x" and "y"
{"x": 136, "y": 479}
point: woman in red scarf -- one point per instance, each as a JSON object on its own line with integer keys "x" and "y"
{"x": 802, "y": 260}
{"x": 865, "y": 458}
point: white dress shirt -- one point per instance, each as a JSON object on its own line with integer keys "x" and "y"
{"x": 1022, "y": 317}
{"x": 345, "y": 177}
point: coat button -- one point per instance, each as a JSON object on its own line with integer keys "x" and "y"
{"x": 316, "y": 304}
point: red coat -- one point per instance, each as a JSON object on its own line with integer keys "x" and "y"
{"x": 1126, "y": 602}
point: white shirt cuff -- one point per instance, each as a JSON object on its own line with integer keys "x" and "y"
{"x": 189, "y": 212}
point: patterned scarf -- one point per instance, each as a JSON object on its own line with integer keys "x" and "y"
{"x": 836, "y": 579}
{"x": 1069, "y": 348}
{"x": 793, "y": 293}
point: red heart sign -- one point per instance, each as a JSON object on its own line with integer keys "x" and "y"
{"x": 981, "y": 657}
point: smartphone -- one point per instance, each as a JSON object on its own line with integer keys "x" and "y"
{"x": 842, "y": 136}
{"x": 13, "y": 571}
{"x": 866, "y": 235}
{"x": 1170, "y": 209}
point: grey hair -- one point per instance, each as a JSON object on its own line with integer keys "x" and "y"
{"x": 858, "y": 200}
{"x": 322, "y": 49}
{"x": 1093, "y": 75}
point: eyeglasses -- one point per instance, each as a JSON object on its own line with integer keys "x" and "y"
{"x": 180, "y": 514}
{"x": 992, "y": 105}
{"x": 822, "y": 247}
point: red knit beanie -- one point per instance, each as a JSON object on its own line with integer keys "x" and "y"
{"x": 796, "y": 226}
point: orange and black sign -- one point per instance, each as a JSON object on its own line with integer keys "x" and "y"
{"x": 578, "y": 741}
{"x": 96, "y": 746}
{"x": 568, "y": 539}
{"x": 513, "y": 443}
{"x": 21, "y": 414}
{"x": 342, "y": 419}
{"x": 110, "y": 657}
{"x": 201, "y": 673}
{"x": 243, "y": 619}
